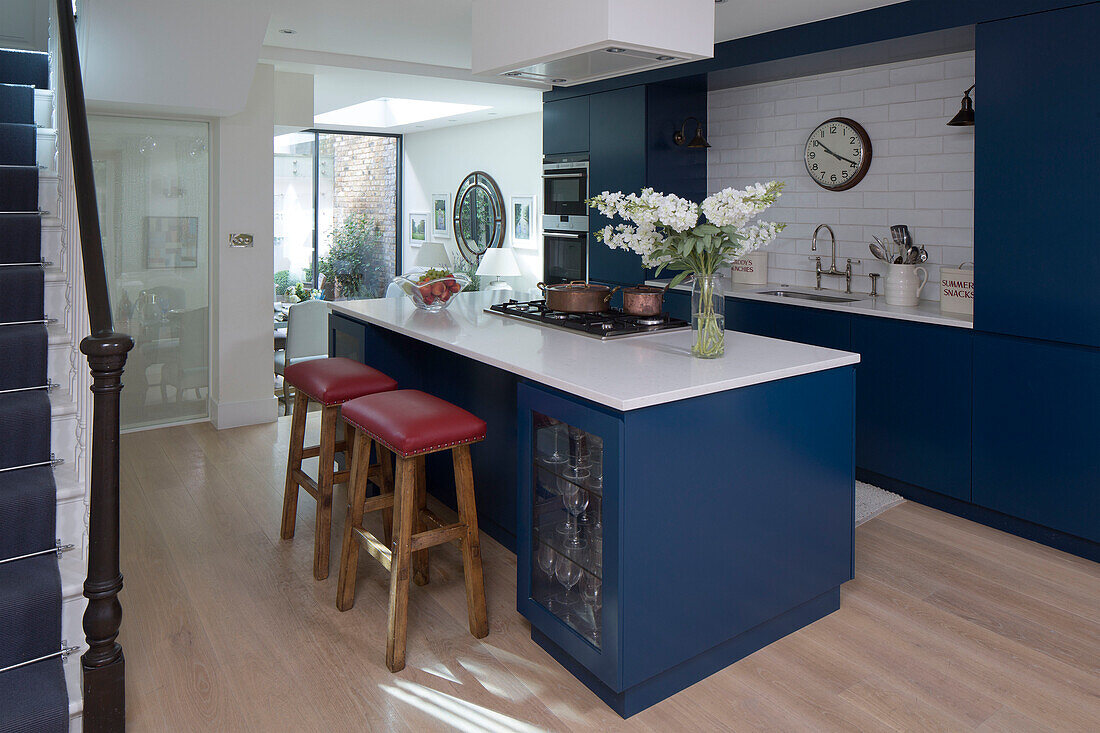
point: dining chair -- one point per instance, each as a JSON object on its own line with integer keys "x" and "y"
{"x": 306, "y": 338}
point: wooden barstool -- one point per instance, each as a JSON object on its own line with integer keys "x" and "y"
{"x": 410, "y": 424}
{"x": 331, "y": 382}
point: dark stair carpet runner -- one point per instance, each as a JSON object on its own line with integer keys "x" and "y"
{"x": 33, "y": 697}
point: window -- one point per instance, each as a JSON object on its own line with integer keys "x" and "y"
{"x": 336, "y": 214}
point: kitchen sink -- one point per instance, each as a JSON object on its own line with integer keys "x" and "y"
{"x": 818, "y": 297}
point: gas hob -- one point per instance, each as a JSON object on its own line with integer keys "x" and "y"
{"x": 610, "y": 324}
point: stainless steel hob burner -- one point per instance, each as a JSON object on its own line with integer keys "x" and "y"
{"x": 609, "y": 324}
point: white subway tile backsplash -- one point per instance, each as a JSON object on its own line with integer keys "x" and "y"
{"x": 794, "y": 106}
{"x": 890, "y": 95}
{"x": 922, "y": 171}
{"x": 908, "y": 73}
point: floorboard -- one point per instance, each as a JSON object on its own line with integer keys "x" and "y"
{"x": 949, "y": 625}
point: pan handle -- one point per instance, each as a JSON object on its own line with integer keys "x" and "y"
{"x": 541, "y": 286}
{"x": 607, "y": 298}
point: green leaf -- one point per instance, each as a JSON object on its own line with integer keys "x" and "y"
{"x": 706, "y": 229}
{"x": 678, "y": 279}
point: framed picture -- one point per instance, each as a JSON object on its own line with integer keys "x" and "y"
{"x": 523, "y": 222}
{"x": 441, "y": 215}
{"x": 418, "y": 229}
{"x": 171, "y": 242}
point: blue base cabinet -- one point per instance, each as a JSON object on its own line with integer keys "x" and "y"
{"x": 706, "y": 554}
{"x": 913, "y": 403}
{"x": 1037, "y": 432}
{"x": 790, "y": 323}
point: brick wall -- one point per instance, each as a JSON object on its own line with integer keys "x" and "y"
{"x": 365, "y": 179}
{"x": 922, "y": 171}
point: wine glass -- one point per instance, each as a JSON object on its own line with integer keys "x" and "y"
{"x": 556, "y": 456}
{"x": 569, "y": 526}
{"x": 575, "y": 504}
{"x": 568, "y": 574}
{"x": 546, "y": 558}
{"x": 592, "y": 592}
{"x": 595, "y": 465}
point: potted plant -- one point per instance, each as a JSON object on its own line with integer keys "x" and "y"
{"x": 667, "y": 232}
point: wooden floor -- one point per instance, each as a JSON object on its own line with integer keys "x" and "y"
{"x": 948, "y": 625}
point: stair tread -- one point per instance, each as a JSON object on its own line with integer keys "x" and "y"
{"x": 22, "y": 356}
{"x": 28, "y": 501}
{"x": 46, "y": 710}
{"x": 30, "y": 604}
{"x": 24, "y": 429}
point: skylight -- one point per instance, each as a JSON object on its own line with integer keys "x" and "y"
{"x": 391, "y": 112}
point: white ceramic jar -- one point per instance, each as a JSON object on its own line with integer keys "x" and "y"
{"x": 903, "y": 285}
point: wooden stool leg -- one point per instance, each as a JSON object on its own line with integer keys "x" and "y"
{"x": 405, "y": 504}
{"x": 420, "y": 574}
{"x": 357, "y": 494}
{"x": 385, "y": 458}
{"x": 471, "y": 543}
{"x": 293, "y": 463}
{"x": 322, "y": 539}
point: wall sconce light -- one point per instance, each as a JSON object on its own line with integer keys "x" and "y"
{"x": 680, "y": 137}
{"x": 965, "y": 117}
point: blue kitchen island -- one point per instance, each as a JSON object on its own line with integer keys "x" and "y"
{"x": 670, "y": 515}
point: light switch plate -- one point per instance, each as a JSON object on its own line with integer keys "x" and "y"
{"x": 240, "y": 240}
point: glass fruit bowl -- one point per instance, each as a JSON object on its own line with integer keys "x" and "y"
{"x": 433, "y": 290}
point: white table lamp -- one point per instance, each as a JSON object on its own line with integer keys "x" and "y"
{"x": 498, "y": 262}
{"x": 432, "y": 254}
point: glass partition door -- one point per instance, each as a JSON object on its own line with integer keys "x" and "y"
{"x": 153, "y": 189}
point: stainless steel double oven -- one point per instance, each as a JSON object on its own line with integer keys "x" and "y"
{"x": 565, "y": 221}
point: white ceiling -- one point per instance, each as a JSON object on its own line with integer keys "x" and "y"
{"x": 420, "y": 49}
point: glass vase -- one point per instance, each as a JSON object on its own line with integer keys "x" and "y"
{"x": 708, "y": 317}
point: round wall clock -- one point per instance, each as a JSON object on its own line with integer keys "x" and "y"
{"x": 838, "y": 154}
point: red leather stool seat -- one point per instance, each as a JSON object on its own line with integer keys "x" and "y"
{"x": 336, "y": 380}
{"x": 410, "y": 422}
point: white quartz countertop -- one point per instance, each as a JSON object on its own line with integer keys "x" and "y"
{"x": 926, "y": 311}
{"x": 624, "y": 374}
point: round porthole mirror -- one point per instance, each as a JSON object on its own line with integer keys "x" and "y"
{"x": 478, "y": 216}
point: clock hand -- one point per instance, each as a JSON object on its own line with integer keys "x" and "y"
{"x": 838, "y": 157}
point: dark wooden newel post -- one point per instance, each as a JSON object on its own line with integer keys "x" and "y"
{"x": 103, "y": 664}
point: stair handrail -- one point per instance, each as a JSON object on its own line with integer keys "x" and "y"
{"x": 103, "y": 665}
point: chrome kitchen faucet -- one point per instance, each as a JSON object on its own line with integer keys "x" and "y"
{"x": 846, "y": 273}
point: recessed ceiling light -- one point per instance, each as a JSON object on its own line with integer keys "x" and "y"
{"x": 558, "y": 81}
{"x": 719, "y": 2}
{"x": 667, "y": 58}
{"x": 514, "y": 73}
{"x": 615, "y": 49}
{"x": 491, "y": 114}
{"x": 287, "y": 31}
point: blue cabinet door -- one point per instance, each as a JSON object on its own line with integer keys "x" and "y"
{"x": 913, "y": 403}
{"x": 1035, "y": 176}
{"x": 1037, "y": 432}
{"x": 790, "y": 323}
{"x": 617, "y": 163}
{"x": 346, "y": 338}
{"x": 565, "y": 126}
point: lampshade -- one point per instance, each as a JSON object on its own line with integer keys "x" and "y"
{"x": 500, "y": 262}
{"x": 680, "y": 137}
{"x": 432, "y": 254}
{"x": 965, "y": 116}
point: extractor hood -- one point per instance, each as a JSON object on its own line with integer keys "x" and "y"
{"x": 567, "y": 42}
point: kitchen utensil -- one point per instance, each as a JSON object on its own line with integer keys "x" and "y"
{"x": 644, "y": 300}
{"x": 878, "y": 250}
{"x": 895, "y": 234}
{"x": 923, "y": 255}
{"x": 577, "y": 296}
{"x": 906, "y": 237}
{"x": 912, "y": 255}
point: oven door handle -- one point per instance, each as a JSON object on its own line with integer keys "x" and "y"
{"x": 564, "y": 175}
{"x": 569, "y": 235}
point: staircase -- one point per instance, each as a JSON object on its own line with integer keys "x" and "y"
{"x": 43, "y": 466}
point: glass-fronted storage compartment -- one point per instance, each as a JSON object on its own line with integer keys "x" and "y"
{"x": 570, "y": 473}
{"x": 567, "y": 526}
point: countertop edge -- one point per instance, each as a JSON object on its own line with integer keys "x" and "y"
{"x": 621, "y": 405}
{"x": 934, "y": 319}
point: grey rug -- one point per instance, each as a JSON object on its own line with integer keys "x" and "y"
{"x": 872, "y": 501}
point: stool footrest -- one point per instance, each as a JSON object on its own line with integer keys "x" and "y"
{"x": 438, "y": 536}
{"x": 315, "y": 450}
{"x": 378, "y": 503}
{"x": 374, "y": 547}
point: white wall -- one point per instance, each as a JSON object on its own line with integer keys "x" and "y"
{"x": 509, "y": 150}
{"x": 921, "y": 175}
{"x": 242, "y": 382}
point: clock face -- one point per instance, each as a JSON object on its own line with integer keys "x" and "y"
{"x": 838, "y": 154}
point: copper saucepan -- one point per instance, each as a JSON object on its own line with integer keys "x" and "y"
{"x": 577, "y": 297}
{"x": 644, "y": 300}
